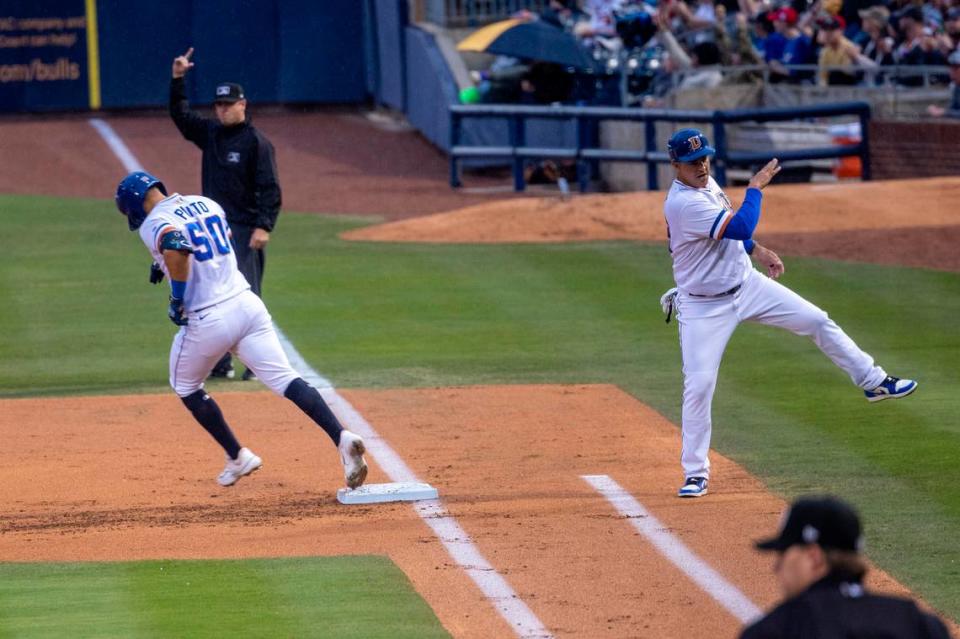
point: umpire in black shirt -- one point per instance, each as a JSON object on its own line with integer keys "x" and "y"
{"x": 239, "y": 172}
{"x": 820, "y": 568}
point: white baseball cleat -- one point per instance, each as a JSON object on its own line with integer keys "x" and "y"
{"x": 245, "y": 463}
{"x": 351, "y": 455}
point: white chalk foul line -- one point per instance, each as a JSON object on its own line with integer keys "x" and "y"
{"x": 708, "y": 579}
{"x": 126, "y": 157}
{"x": 454, "y": 538}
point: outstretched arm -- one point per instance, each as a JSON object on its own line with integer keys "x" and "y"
{"x": 742, "y": 225}
{"x": 192, "y": 125}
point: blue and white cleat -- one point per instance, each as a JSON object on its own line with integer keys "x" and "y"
{"x": 694, "y": 487}
{"x": 891, "y": 388}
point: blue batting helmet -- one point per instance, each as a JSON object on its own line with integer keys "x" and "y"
{"x": 687, "y": 145}
{"x": 130, "y": 195}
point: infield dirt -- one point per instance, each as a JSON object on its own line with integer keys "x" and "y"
{"x": 133, "y": 478}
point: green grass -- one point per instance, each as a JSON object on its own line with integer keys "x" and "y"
{"x": 80, "y": 317}
{"x": 362, "y": 597}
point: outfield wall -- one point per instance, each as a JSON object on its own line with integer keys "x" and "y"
{"x": 79, "y": 54}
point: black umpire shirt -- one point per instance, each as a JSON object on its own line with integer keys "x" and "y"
{"x": 239, "y": 171}
{"x": 835, "y": 608}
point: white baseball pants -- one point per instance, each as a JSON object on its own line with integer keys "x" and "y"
{"x": 705, "y": 326}
{"x": 241, "y": 325}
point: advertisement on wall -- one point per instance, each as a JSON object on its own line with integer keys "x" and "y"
{"x": 44, "y": 55}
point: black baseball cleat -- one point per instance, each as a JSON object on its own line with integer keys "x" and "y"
{"x": 248, "y": 375}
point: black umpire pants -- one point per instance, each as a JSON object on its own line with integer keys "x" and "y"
{"x": 250, "y": 262}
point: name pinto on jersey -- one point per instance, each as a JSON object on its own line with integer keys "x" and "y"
{"x": 191, "y": 210}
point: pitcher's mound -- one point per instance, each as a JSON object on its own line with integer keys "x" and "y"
{"x": 789, "y": 208}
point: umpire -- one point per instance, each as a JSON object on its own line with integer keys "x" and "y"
{"x": 239, "y": 171}
{"x": 820, "y": 568}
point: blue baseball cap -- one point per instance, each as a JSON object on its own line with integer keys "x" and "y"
{"x": 687, "y": 145}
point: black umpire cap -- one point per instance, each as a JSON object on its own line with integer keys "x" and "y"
{"x": 228, "y": 92}
{"x": 825, "y": 521}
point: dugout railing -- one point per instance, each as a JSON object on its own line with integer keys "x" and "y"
{"x": 586, "y": 154}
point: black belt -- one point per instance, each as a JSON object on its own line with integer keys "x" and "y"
{"x": 724, "y": 294}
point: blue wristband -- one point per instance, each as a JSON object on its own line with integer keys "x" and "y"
{"x": 748, "y": 246}
{"x": 178, "y": 288}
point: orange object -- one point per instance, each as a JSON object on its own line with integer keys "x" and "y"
{"x": 849, "y": 166}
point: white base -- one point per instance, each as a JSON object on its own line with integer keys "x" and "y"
{"x": 379, "y": 493}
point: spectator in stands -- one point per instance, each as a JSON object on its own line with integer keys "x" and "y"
{"x": 769, "y": 41}
{"x": 835, "y": 51}
{"x": 601, "y": 19}
{"x": 933, "y": 15}
{"x": 876, "y": 41}
{"x": 500, "y": 82}
{"x": 953, "y": 109}
{"x": 701, "y": 68}
{"x": 876, "y": 38}
{"x": 697, "y": 22}
{"x": 948, "y": 37}
{"x": 562, "y": 13}
{"x": 850, "y": 11}
{"x": 951, "y": 27}
{"x": 797, "y": 50}
{"x": 918, "y": 46}
{"x": 738, "y": 50}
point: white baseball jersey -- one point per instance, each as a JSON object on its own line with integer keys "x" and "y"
{"x": 703, "y": 262}
{"x": 214, "y": 276}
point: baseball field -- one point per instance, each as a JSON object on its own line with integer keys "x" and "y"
{"x": 510, "y": 351}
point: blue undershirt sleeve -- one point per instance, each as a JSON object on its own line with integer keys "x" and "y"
{"x": 177, "y": 288}
{"x": 748, "y": 246}
{"x": 742, "y": 224}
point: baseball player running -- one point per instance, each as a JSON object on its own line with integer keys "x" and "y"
{"x": 717, "y": 288}
{"x": 216, "y": 311}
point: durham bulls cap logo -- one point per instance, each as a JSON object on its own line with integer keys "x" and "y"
{"x": 687, "y": 145}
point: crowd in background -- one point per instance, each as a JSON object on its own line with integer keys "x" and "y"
{"x": 660, "y": 45}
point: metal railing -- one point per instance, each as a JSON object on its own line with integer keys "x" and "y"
{"x": 518, "y": 152}
{"x": 473, "y": 13}
{"x": 893, "y": 76}
{"x": 895, "y": 79}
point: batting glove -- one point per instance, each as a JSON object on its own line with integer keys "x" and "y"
{"x": 156, "y": 273}
{"x": 667, "y": 301}
{"x": 176, "y": 312}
